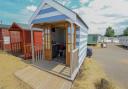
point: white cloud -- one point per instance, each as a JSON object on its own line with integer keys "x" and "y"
{"x": 84, "y": 1}
{"x": 31, "y": 8}
{"x": 103, "y": 13}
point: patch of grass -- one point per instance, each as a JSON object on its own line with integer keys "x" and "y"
{"x": 8, "y": 66}
{"x": 92, "y": 76}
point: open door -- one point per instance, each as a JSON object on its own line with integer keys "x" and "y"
{"x": 47, "y": 44}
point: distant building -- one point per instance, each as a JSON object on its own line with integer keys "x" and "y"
{"x": 111, "y": 39}
{"x": 123, "y": 40}
{"x": 94, "y": 39}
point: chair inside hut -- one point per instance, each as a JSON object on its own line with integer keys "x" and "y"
{"x": 58, "y": 38}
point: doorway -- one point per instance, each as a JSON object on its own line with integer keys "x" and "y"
{"x": 58, "y": 37}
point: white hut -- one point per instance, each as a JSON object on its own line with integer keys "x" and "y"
{"x": 64, "y": 39}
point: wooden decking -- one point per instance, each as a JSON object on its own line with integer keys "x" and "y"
{"x": 54, "y": 67}
{"x": 39, "y": 79}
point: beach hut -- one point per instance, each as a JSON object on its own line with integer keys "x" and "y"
{"x": 64, "y": 39}
{"x": 94, "y": 39}
{"x": 20, "y": 39}
{"x": 20, "y": 36}
{"x": 4, "y": 37}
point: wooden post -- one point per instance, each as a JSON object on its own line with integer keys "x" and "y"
{"x": 67, "y": 46}
{"x": 10, "y": 41}
{"x": 24, "y": 49}
{"x": 72, "y": 46}
{"x": 43, "y": 44}
{"x": 74, "y": 36}
{"x": 32, "y": 44}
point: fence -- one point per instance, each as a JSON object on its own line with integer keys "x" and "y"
{"x": 1, "y": 45}
{"x": 38, "y": 52}
{"x": 27, "y": 51}
{"x": 16, "y": 47}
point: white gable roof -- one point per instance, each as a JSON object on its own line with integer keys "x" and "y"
{"x": 67, "y": 12}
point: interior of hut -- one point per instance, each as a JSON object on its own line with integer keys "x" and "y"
{"x": 58, "y": 38}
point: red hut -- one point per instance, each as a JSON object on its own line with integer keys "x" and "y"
{"x": 4, "y": 37}
{"x": 20, "y": 36}
{"x": 20, "y": 39}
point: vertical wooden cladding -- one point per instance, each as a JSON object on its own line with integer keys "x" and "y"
{"x": 20, "y": 40}
{"x": 27, "y": 36}
{"x": 74, "y": 36}
{"x": 1, "y": 40}
{"x": 4, "y": 33}
{"x": 38, "y": 38}
{"x": 15, "y": 36}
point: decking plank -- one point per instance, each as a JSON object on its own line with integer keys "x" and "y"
{"x": 39, "y": 79}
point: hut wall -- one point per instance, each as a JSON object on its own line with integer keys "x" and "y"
{"x": 1, "y": 40}
{"x": 27, "y": 37}
{"x": 15, "y": 36}
{"x": 5, "y": 39}
{"x": 37, "y": 38}
{"x": 83, "y": 36}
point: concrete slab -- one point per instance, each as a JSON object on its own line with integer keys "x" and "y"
{"x": 39, "y": 79}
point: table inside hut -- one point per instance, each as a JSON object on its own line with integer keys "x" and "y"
{"x": 59, "y": 52}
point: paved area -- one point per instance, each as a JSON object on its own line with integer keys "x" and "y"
{"x": 114, "y": 61}
{"x": 38, "y": 79}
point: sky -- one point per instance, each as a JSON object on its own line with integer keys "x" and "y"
{"x": 98, "y": 14}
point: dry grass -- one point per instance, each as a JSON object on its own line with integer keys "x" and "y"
{"x": 90, "y": 77}
{"x": 8, "y": 65}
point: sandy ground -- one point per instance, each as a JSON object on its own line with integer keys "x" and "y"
{"x": 8, "y": 65}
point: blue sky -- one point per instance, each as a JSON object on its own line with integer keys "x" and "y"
{"x": 20, "y": 10}
{"x": 98, "y": 14}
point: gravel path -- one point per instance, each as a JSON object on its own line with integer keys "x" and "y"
{"x": 114, "y": 61}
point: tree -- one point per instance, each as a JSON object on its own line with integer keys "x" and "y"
{"x": 109, "y": 32}
{"x": 126, "y": 32}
